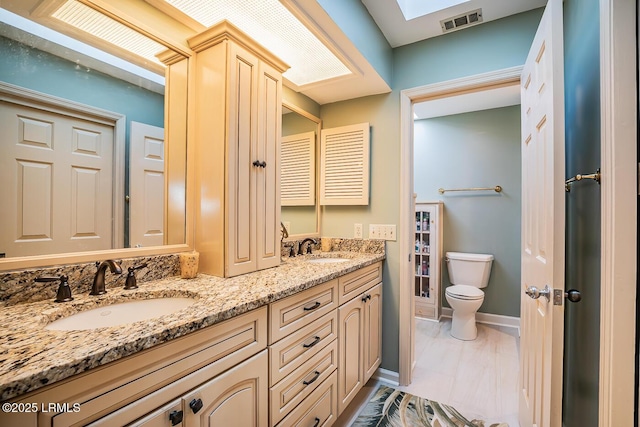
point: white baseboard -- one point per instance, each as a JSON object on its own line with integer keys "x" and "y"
{"x": 490, "y": 319}
{"x": 389, "y": 377}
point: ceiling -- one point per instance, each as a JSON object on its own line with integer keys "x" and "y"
{"x": 364, "y": 80}
{"x": 398, "y": 31}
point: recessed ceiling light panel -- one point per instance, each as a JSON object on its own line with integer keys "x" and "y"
{"x": 274, "y": 27}
{"x": 98, "y": 25}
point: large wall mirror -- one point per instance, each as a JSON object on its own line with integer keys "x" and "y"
{"x": 85, "y": 162}
{"x": 300, "y": 211}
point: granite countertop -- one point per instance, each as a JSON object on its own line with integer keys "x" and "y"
{"x": 32, "y": 357}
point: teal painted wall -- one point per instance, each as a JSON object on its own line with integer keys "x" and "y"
{"x": 503, "y": 43}
{"x": 478, "y": 149}
{"x": 582, "y": 267}
{"x": 354, "y": 20}
{"x": 24, "y": 66}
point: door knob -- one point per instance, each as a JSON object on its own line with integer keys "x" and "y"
{"x": 573, "y": 295}
{"x": 536, "y": 293}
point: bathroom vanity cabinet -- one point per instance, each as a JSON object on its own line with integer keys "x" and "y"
{"x": 237, "y": 129}
{"x": 360, "y": 331}
{"x": 428, "y": 259}
{"x": 298, "y": 361}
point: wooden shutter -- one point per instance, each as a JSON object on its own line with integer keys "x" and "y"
{"x": 344, "y": 165}
{"x": 297, "y": 170}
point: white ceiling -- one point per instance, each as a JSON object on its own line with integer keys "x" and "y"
{"x": 399, "y": 32}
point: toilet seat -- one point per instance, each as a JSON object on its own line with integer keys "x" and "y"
{"x": 464, "y": 292}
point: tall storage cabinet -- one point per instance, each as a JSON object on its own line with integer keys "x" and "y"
{"x": 237, "y": 131}
{"x": 428, "y": 259}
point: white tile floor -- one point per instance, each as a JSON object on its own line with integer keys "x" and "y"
{"x": 479, "y": 378}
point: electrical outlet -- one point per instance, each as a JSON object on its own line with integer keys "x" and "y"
{"x": 357, "y": 231}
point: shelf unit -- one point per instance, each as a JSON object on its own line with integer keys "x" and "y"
{"x": 428, "y": 259}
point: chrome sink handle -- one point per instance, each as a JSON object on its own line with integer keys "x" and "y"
{"x": 536, "y": 293}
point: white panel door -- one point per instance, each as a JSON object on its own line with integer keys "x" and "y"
{"x": 57, "y": 183}
{"x": 543, "y": 216}
{"x": 146, "y": 185}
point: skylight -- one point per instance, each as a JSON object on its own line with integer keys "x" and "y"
{"x": 274, "y": 27}
{"x": 416, "y": 8}
{"x": 98, "y": 25}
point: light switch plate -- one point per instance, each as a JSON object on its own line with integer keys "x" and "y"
{"x": 382, "y": 231}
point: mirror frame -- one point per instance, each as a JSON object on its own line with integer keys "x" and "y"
{"x": 298, "y": 110}
{"x": 180, "y": 52}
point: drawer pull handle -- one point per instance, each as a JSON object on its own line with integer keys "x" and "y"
{"x": 311, "y": 344}
{"x": 313, "y": 307}
{"x": 176, "y": 417}
{"x": 317, "y": 423}
{"x": 312, "y": 380}
{"x": 196, "y": 405}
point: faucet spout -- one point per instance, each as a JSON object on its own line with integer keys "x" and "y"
{"x": 98, "y": 287}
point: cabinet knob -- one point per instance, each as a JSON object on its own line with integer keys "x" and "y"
{"x": 176, "y": 417}
{"x": 195, "y": 405}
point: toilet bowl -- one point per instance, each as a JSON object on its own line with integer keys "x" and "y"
{"x": 468, "y": 273}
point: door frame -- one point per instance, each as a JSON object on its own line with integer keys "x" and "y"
{"x": 479, "y": 82}
{"x": 618, "y": 43}
{"x": 618, "y": 109}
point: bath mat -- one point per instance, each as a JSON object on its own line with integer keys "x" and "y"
{"x": 392, "y": 408}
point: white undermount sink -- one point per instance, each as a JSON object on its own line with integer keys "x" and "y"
{"x": 120, "y": 314}
{"x": 327, "y": 260}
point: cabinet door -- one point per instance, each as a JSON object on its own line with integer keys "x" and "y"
{"x": 242, "y": 133}
{"x": 268, "y": 174}
{"x": 372, "y": 331}
{"x": 350, "y": 350}
{"x": 236, "y": 398}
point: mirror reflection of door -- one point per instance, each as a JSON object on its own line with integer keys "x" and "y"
{"x": 146, "y": 185}
{"x": 57, "y": 182}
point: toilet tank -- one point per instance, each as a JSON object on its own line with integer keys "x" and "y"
{"x": 469, "y": 269}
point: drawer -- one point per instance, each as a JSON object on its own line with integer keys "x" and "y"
{"x": 293, "y": 350}
{"x": 319, "y": 409}
{"x": 353, "y": 284}
{"x": 292, "y": 390}
{"x": 294, "y": 312}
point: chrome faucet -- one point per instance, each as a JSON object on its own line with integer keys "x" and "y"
{"x": 98, "y": 280}
{"x": 307, "y": 240}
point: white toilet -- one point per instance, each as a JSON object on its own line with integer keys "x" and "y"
{"x": 468, "y": 274}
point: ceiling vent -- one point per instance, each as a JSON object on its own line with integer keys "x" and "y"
{"x": 461, "y": 21}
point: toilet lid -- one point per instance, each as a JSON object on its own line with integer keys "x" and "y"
{"x": 465, "y": 292}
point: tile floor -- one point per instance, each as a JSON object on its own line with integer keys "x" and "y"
{"x": 479, "y": 378}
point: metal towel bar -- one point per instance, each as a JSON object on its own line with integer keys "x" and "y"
{"x": 497, "y": 189}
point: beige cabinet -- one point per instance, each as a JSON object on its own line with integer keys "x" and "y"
{"x": 359, "y": 342}
{"x": 237, "y": 131}
{"x": 236, "y": 398}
